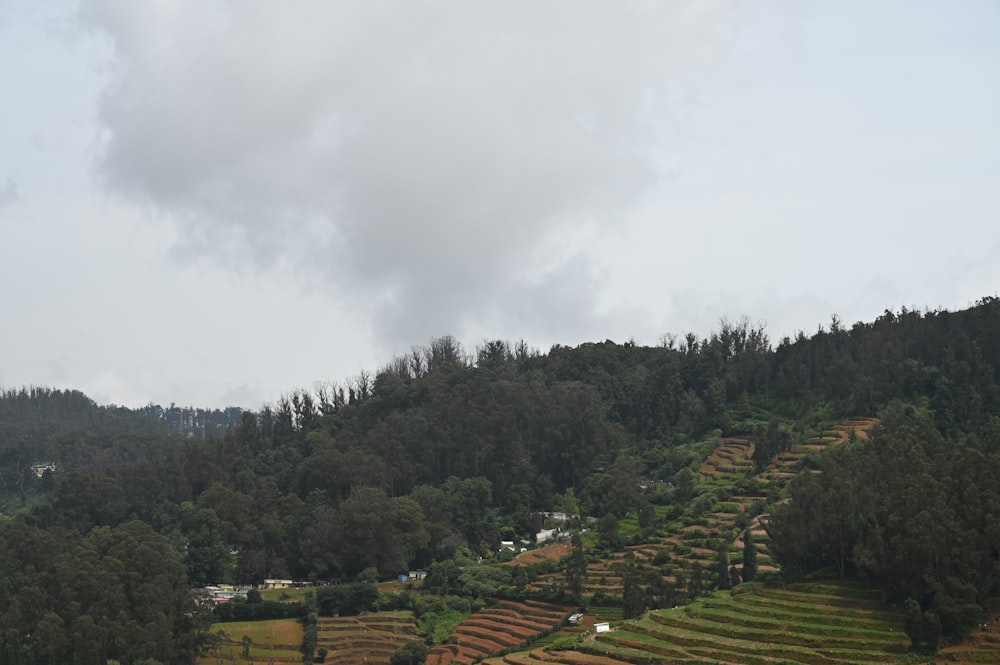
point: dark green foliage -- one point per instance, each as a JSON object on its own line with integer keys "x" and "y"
{"x": 722, "y": 578}
{"x": 442, "y": 577}
{"x": 117, "y": 593}
{"x": 411, "y": 653}
{"x": 768, "y": 442}
{"x": 633, "y": 595}
{"x": 576, "y": 567}
{"x": 240, "y": 610}
{"x": 310, "y": 620}
{"x": 607, "y": 531}
{"x": 912, "y": 622}
{"x": 908, "y": 510}
{"x": 346, "y": 599}
{"x": 735, "y": 578}
{"x": 923, "y": 628}
{"x": 749, "y": 571}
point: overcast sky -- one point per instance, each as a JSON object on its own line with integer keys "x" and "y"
{"x": 214, "y": 203}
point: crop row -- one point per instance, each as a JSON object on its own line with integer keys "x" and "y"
{"x": 499, "y": 628}
{"x": 813, "y": 626}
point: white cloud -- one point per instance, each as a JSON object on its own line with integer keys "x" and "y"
{"x": 289, "y": 194}
{"x": 410, "y": 156}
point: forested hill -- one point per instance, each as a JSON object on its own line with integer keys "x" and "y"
{"x": 66, "y": 430}
{"x": 447, "y": 451}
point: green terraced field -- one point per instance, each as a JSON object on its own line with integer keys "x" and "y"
{"x": 798, "y": 624}
{"x": 810, "y": 624}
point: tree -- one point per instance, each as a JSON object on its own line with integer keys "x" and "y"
{"x": 411, "y": 653}
{"x": 913, "y": 622}
{"x": 735, "y": 579}
{"x": 633, "y": 595}
{"x": 722, "y": 580}
{"x": 696, "y": 586}
{"x": 620, "y": 491}
{"x": 346, "y": 599}
{"x": 576, "y": 567}
{"x": 607, "y": 531}
{"x": 208, "y": 559}
{"x": 749, "y": 573}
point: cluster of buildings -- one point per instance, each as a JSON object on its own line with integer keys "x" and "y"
{"x": 219, "y": 594}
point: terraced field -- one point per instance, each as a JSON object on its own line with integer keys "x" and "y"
{"x": 687, "y": 545}
{"x": 733, "y": 629}
{"x": 554, "y": 551}
{"x": 276, "y": 641}
{"x": 782, "y": 467}
{"x": 982, "y": 646}
{"x": 370, "y": 638}
{"x": 506, "y": 625}
{"x": 809, "y": 623}
{"x": 731, "y": 460}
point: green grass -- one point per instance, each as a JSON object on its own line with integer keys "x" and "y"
{"x": 278, "y": 631}
{"x": 279, "y": 639}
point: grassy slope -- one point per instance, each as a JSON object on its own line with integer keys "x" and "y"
{"x": 278, "y": 639}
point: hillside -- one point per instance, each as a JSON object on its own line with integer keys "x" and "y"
{"x": 674, "y": 466}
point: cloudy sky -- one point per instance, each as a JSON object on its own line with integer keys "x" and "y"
{"x": 214, "y": 203}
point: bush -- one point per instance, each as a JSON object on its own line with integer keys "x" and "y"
{"x": 411, "y": 653}
{"x": 241, "y": 610}
{"x": 563, "y": 644}
{"x": 346, "y": 599}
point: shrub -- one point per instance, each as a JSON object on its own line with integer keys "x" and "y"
{"x": 563, "y": 644}
{"x": 411, "y": 653}
{"x": 346, "y": 599}
{"x": 241, "y": 610}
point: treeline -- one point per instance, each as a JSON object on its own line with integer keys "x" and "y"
{"x": 192, "y": 422}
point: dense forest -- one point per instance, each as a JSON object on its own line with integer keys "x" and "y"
{"x": 111, "y": 515}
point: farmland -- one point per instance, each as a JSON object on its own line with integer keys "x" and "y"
{"x": 504, "y": 626}
{"x": 807, "y": 624}
{"x": 278, "y": 641}
{"x": 370, "y": 638}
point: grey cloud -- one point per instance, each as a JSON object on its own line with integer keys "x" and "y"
{"x": 410, "y": 155}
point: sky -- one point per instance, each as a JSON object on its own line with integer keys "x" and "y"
{"x": 216, "y": 203}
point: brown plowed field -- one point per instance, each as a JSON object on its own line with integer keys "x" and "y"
{"x": 494, "y": 629}
{"x": 554, "y": 551}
